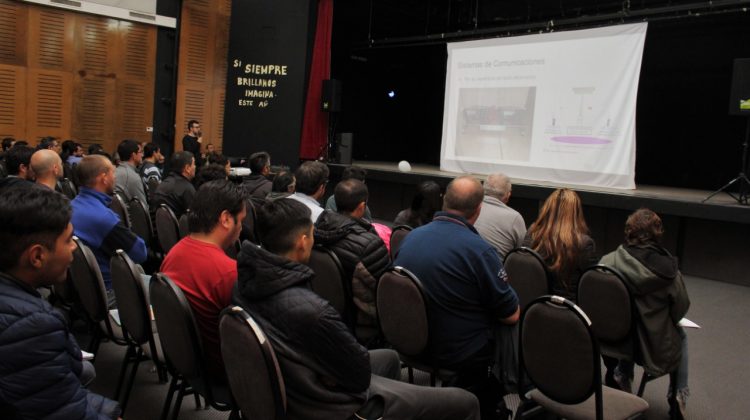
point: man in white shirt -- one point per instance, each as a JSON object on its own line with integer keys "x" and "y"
{"x": 312, "y": 178}
{"x": 499, "y": 224}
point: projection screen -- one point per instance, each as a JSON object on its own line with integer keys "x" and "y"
{"x": 557, "y": 107}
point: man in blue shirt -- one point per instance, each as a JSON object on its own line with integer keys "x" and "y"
{"x": 465, "y": 282}
{"x": 95, "y": 224}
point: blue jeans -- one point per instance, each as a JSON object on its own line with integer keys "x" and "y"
{"x": 677, "y": 379}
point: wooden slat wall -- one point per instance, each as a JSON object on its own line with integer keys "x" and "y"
{"x": 202, "y": 69}
{"x": 72, "y": 75}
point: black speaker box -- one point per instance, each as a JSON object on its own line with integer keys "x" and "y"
{"x": 344, "y": 148}
{"x": 739, "y": 96}
{"x": 331, "y": 96}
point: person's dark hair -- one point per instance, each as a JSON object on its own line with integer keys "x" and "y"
{"x": 127, "y": 148}
{"x": 348, "y": 194}
{"x": 7, "y": 142}
{"x": 94, "y": 148}
{"x": 149, "y": 149}
{"x": 258, "y": 161}
{"x": 17, "y": 156}
{"x": 30, "y": 215}
{"x": 46, "y": 143}
{"x": 310, "y": 176}
{"x": 90, "y": 167}
{"x": 354, "y": 172}
{"x": 179, "y": 161}
{"x": 425, "y": 203}
{"x": 282, "y": 181}
{"x": 190, "y": 124}
{"x": 643, "y": 227}
{"x": 68, "y": 148}
{"x": 210, "y": 173}
{"x": 20, "y": 143}
{"x": 217, "y": 159}
{"x": 280, "y": 222}
{"x": 211, "y": 199}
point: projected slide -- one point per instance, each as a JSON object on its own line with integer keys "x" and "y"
{"x": 556, "y": 107}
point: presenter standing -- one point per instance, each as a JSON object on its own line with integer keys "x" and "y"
{"x": 192, "y": 141}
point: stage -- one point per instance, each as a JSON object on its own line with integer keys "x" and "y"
{"x": 711, "y": 239}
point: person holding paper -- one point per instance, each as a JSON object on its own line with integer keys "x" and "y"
{"x": 661, "y": 300}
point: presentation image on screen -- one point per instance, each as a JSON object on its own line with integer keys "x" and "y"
{"x": 495, "y": 123}
{"x": 557, "y": 107}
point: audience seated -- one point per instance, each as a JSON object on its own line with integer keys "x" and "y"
{"x": 350, "y": 172}
{"x": 499, "y": 224}
{"x": 72, "y": 152}
{"x": 355, "y": 242}
{"x": 17, "y": 164}
{"x": 210, "y": 172}
{"x": 215, "y": 158}
{"x": 425, "y": 203}
{"x": 467, "y": 289}
{"x": 47, "y": 167}
{"x": 257, "y": 184}
{"x": 42, "y": 375}
{"x": 560, "y": 236}
{"x": 128, "y": 181}
{"x": 176, "y": 191}
{"x": 199, "y": 265}
{"x": 96, "y": 225}
{"x": 661, "y": 300}
{"x": 149, "y": 170}
{"x": 283, "y": 185}
{"x": 327, "y": 374}
{"x": 312, "y": 178}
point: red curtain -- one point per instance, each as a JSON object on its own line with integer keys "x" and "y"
{"x": 315, "y": 123}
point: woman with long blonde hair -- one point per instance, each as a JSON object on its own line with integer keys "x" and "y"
{"x": 561, "y": 237}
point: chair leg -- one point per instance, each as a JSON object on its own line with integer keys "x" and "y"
{"x": 235, "y": 415}
{"x": 642, "y": 387}
{"x": 168, "y": 400}
{"x": 411, "y": 374}
{"x": 123, "y": 369}
{"x": 178, "y": 402}
{"x": 129, "y": 386}
{"x": 198, "y": 400}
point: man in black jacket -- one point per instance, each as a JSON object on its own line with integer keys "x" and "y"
{"x": 41, "y": 370}
{"x": 257, "y": 186}
{"x": 176, "y": 191}
{"x": 327, "y": 374}
{"x": 192, "y": 141}
{"x": 355, "y": 242}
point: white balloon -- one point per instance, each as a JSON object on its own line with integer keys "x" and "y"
{"x": 404, "y": 166}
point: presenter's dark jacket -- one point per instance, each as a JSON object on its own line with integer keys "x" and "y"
{"x": 190, "y": 144}
{"x": 656, "y": 284}
{"x": 41, "y": 361}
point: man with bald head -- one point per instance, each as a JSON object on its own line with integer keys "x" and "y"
{"x": 47, "y": 167}
{"x": 499, "y": 224}
{"x": 95, "y": 224}
{"x": 465, "y": 279}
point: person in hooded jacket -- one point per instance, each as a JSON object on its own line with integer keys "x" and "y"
{"x": 661, "y": 301}
{"x": 355, "y": 242}
{"x": 327, "y": 374}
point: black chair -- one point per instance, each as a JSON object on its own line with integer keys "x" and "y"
{"x": 252, "y": 369}
{"x": 527, "y": 274}
{"x": 167, "y": 228}
{"x": 330, "y": 284}
{"x": 119, "y": 206}
{"x": 183, "y": 350}
{"x": 560, "y": 355}
{"x": 141, "y": 221}
{"x": 67, "y": 187}
{"x": 604, "y": 296}
{"x": 182, "y": 225}
{"x": 89, "y": 285}
{"x": 397, "y": 236}
{"x": 134, "y": 309}
{"x": 402, "y": 312}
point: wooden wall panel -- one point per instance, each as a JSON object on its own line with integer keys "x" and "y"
{"x": 202, "y": 68}
{"x": 74, "y": 75}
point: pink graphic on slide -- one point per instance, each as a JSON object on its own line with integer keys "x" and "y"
{"x": 580, "y": 140}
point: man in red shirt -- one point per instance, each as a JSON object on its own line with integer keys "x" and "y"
{"x": 199, "y": 265}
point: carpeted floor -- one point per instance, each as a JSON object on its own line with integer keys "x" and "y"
{"x": 719, "y": 359}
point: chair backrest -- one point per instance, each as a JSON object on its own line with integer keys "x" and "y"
{"x": 141, "y": 221}
{"x": 252, "y": 369}
{"x": 166, "y": 228}
{"x": 559, "y": 352}
{"x": 120, "y": 207}
{"x": 67, "y": 188}
{"x": 605, "y": 298}
{"x": 182, "y": 225}
{"x": 397, "y": 236}
{"x": 88, "y": 283}
{"x": 151, "y": 185}
{"x": 329, "y": 282}
{"x": 178, "y": 332}
{"x": 132, "y": 299}
{"x": 402, "y": 311}
{"x": 527, "y": 274}
{"x": 248, "y": 225}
